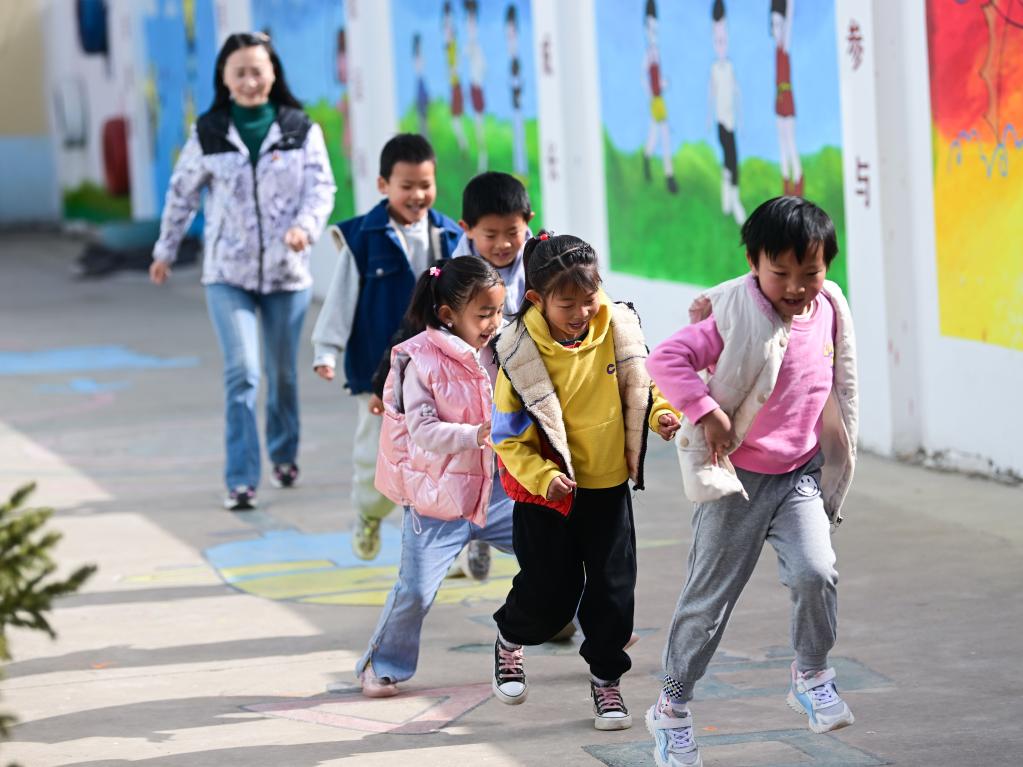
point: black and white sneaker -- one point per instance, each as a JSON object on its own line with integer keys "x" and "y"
{"x": 242, "y": 498}
{"x": 609, "y": 710}
{"x": 509, "y": 682}
{"x": 284, "y": 475}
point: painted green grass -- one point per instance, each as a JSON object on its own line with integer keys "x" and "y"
{"x": 685, "y": 237}
{"x": 91, "y": 202}
{"x": 332, "y": 123}
{"x": 455, "y": 167}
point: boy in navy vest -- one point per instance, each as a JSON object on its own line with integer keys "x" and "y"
{"x": 380, "y": 255}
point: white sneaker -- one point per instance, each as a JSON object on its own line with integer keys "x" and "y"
{"x": 674, "y": 744}
{"x": 815, "y": 696}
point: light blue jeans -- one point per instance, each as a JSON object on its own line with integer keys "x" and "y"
{"x": 237, "y": 316}
{"x": 428, "y": 548}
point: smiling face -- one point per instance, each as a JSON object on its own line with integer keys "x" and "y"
{"x": 790, "y": 286}
{"x": 477, "y": 321}
{"x": 249, "y": 76}
{"x": 410, "y": 190}
{"x": 498, "y": 237}
{"x": 568, "y": 313}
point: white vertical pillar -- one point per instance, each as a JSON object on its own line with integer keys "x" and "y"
{"x": 865, "y": 197}
{"x": 572, "y": 151}
{"x": 903, "y": 129}
{"x": 371, "y": 92}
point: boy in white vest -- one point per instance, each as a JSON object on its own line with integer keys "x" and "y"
{"x": 767, "y": 450}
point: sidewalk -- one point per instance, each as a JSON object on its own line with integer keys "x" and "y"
{"x": 208, "y": 638}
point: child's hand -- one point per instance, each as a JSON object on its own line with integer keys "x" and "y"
{"x": 560, "y": 487}
{"x": 326, "y": 372}
{"x": 376, "y": 405}
{"x": 667, "y": 425}
{"x": 483, "y": 434}
{"x": 717, "y": 428}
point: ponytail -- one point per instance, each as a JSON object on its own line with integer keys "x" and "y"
{"x": 452, "y": 283}
{"x": 558, "y": 264}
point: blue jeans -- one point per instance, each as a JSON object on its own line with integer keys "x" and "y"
{"x": 428, "y": 548}
{"x": 234, "y": 314}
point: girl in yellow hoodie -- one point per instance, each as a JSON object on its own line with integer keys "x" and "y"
{"x": 572, "y": 404}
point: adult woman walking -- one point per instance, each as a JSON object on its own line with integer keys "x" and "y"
{"x": 270, "y": 190}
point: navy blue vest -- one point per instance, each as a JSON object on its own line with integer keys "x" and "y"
{"x": 385, "y": 287}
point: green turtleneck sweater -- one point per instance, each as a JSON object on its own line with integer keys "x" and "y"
{"x": 253, "y": 123}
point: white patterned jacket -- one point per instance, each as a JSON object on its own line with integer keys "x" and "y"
{"x": 249, "y": 208}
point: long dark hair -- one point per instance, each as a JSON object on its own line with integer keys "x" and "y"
{"x": 280, "y": 93}
{"x": 452, "y": 283}
{"x": 554, "y": 263}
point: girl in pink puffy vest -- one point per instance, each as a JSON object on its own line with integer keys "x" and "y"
{"x": 435, "y": 455}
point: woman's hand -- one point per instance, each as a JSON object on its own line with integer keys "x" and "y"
{"x": 717, "y": 429}
{"x": 483, "y": 434}
{"x": 667, "y": 425}
{"x": 326, "y": 372}
{"x": 296, "y": 239}
{"x": 159, "y": 271}
{"x": 376, "y": 405}
{"x": 560, "y": 487}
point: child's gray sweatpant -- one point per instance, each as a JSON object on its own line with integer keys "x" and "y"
{"x": 728, "y": 535}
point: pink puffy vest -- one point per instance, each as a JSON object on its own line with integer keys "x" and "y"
{"x": 439, "y": 485}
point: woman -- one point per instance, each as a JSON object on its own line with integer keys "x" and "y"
{"x": 270, "y": 190}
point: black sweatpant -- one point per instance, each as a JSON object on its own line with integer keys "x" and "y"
{"x": 586, "y": 561}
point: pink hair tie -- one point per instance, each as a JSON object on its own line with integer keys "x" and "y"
{"x": 435, "y": 271}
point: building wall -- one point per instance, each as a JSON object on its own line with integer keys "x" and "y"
{"x": 25, "y": 152}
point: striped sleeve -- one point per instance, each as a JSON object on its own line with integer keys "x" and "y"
{"x": 517, "y": 441}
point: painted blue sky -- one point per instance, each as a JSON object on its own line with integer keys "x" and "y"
{"x": 686, "y": 56}
{"x": 179, "y": 72}
{"x": 424, "y": 16}
{"x": 304, "y": 32}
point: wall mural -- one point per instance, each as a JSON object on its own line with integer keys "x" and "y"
{"x": 465, "y": 78}
{"x": 976, "y": 72}
{"x": 709, "y": 108}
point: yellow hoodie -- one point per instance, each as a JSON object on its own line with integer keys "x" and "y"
{"x": 586, "y": 386}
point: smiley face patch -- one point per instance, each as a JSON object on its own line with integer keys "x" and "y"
{"x": 807, "y": 487}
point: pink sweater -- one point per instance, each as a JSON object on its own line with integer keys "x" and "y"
{"x": 786, "y": 431}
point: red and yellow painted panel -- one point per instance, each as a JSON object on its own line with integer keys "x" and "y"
{"x": 976, "y": 80}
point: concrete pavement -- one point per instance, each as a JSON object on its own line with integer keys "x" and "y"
{"x": 208, "y": 638}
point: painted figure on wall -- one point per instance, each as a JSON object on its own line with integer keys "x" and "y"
{"x": 723, "y": 98}
{"x": 342, "y": 102}
{"x": 451, "y": 57}
{"x": 477, "y": 69}
{"x": 422, "y": 94}
{"x": 655, "y": 83}
{"x": 785, "y": 102}
{"x": 511, "y": 29}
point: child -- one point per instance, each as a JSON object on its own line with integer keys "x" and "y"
{"x": 570, "y": 409}
{"x": 380, "y": 255}
{"x": 495, "y": 216}
{"x": 435, "y": 455}
{"x": 767, "y": 452}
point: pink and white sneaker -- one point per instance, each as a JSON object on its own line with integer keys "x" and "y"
{"x": 814, "y": 696}
{"x": 374, "y": 686}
